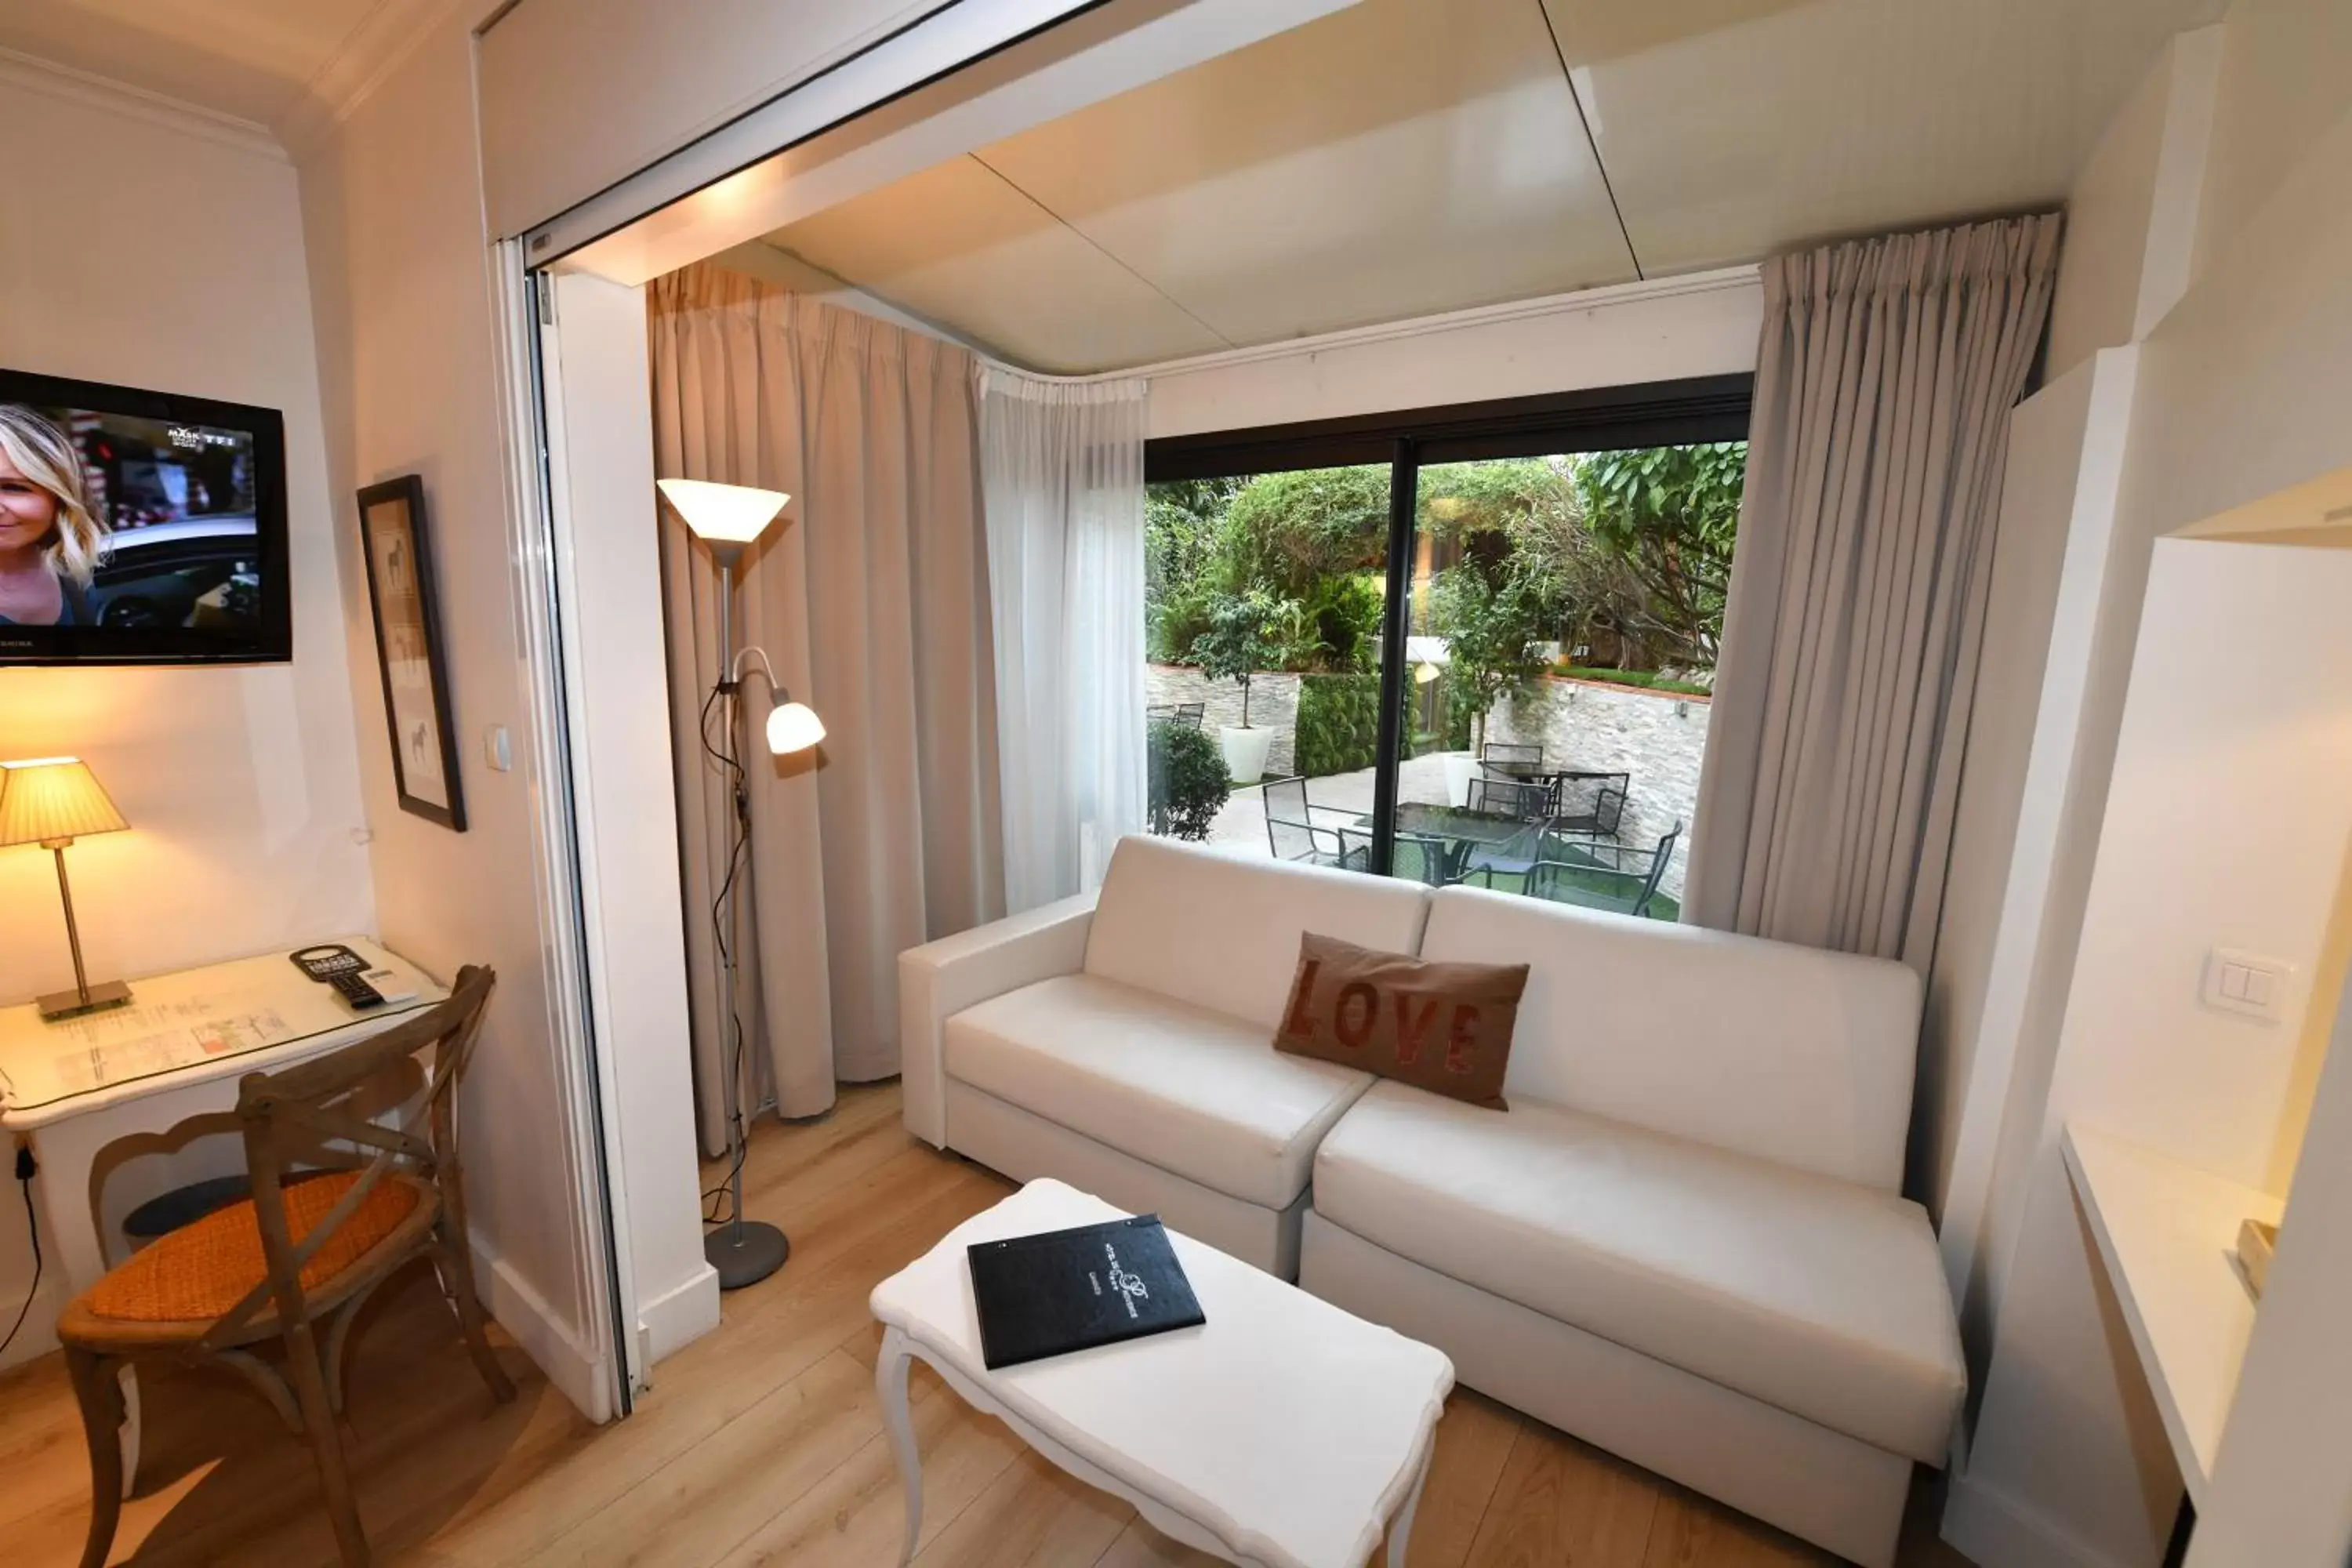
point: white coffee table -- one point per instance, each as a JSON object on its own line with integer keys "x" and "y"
{"x": 1283, "y": 1432}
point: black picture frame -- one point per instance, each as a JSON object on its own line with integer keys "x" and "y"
{"x": 421, "y": 726}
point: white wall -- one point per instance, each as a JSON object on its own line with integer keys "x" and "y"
{"x": 2227, "y": 824}
{"x": 392, "y": 209}
{"x": 2038, "y": 495}
{"x": 165, "y": 250}
{"x": 2282, "y": 1489}
{"x": 2242, "y": 390}
{"x": 2131, "y": 219}
{"x": 1705, "y": 324}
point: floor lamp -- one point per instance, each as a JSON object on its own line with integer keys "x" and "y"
{"x": 727, "y": 519}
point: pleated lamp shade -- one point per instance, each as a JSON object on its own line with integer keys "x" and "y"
{"x": 49, "y": 799}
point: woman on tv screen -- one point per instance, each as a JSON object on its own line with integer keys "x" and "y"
{"x": 51, "y": 540}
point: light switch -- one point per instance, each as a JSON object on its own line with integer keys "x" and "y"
{"x": 497, "y": 748}
{"x": 2247, "y": 983}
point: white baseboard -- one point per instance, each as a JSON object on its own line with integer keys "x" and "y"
{"x": 1989, "y": 1528}
{"x": 680, "y": 1315}
{"x": 577, "y": 1372}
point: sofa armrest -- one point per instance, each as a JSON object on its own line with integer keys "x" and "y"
{"x": 941, "y": 979}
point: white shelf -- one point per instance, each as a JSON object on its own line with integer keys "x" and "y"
{"x": 2167, "y": 1234}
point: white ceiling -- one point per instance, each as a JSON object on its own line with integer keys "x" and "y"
{"x": 250, "y": 58}
{"x": 1405, "y": 157}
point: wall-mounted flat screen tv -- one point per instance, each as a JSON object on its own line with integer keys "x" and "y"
{"x": 139, "y": 527}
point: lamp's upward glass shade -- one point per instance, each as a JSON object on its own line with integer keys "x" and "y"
{"x": 47, "y": 799}
{"x": 793, "y": 727}
{"x": 724, "y": 514}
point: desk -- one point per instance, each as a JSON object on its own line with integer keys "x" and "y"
{"x": 176, "y": 1051}
{"x": 73, "y": 1086}
{"x": 2167, "y": 1238}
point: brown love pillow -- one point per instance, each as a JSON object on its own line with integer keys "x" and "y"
{"x": 1445, "y": 1027}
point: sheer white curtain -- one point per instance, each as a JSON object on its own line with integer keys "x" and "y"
{"x": 1062, "y": 482}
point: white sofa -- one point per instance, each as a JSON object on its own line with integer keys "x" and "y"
{"x": 1683, "y": 1242}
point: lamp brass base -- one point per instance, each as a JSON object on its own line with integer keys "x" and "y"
{"x": 62, "y": 1004}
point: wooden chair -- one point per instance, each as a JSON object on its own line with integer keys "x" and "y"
{"x": 308, "y": 1247}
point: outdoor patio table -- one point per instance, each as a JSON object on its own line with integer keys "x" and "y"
{"x": 1464, "y": 831}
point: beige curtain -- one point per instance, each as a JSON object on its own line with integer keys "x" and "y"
{"x": 870, "y": 596}
{"x": 1884, "y": 387}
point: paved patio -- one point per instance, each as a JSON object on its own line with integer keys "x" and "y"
{"x": 1240, "y": 828}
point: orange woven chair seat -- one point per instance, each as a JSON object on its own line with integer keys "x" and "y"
{"x": 199, "y": 1271}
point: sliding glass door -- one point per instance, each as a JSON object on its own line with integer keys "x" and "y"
{"x": 1479, "y": 653}
{"x": 1265, "y": 601}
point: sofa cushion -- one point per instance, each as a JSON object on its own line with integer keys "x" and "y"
{"x": 1785, "y": 1052}
{"x": 1824, "y": 1298}
{"x": 1445, "y": 1027}
{"x": 1223, "y": 932}
{"x": 1188, "y": 1090}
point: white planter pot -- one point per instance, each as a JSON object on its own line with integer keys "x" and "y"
{"x": 1461, "y": 767}
{"x": 1245, "y": 751}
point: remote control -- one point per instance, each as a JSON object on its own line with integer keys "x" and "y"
{"x": 337, "y": 965}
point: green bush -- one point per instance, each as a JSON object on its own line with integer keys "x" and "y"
{"x": 1648, "y": 679}
{"x": 1287, "y": 531}
{"x": 1459, "y": 705}
{"x": 1187, "y": 781}
{"x": 1175, "y": 622}
{"x": 1337, "y": 729}
{"x": 1344, "y": 614}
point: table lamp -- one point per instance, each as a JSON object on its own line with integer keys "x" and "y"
{"x": 51, "y": 802}
{"x": 727, "y": 519}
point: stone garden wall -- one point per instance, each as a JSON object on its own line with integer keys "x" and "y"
{"x": 1657, "y": 737}
{"x": 1273, "y": 704}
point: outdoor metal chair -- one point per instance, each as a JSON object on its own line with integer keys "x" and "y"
{"x": 1516, "y": 856}
{"x": 1597, "y": 874}
{"x": 1499, "y": 752}
{"x": 1418, "y": 856}
{"x": 1292, "y": 833}
{"x": 1190, "y": 714}
{"x": 1591, "y": 803}
{"x": 1509, "y": 797}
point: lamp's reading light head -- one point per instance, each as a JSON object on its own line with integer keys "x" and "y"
{"x": 793, "y": 727}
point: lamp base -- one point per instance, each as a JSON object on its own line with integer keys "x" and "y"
{"x": 64, "y": 1005}
{"x": 745, "y": 1254}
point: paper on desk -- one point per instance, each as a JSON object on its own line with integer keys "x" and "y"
{"x": 140, "y": 1041}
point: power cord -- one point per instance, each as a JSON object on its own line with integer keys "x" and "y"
{"x": 730, "y": 1049}
{"x": 26, "y": 1171}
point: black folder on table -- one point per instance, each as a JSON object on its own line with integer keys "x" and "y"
{"x": 1066, "y": 1291}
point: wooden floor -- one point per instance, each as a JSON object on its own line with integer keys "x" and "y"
{"x": 762, "y": 1442}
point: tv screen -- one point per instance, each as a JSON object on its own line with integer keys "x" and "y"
{"x": 139, "y": 527}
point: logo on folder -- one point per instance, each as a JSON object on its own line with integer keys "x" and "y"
{"x": 1129, "y": 1287}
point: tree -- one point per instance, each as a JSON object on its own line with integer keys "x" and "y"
{"x": 1286, "y": 532}
{"x": 1247, "y": 633}
{"x": 1523, "y": 517}
{"x": 1491, "y": 623}
{"x": 1670, "y": 514}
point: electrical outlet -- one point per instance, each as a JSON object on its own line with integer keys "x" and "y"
{"x": 2248, "y": 983}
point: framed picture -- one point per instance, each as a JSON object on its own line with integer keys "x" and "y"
{"x": 408, "y": 651}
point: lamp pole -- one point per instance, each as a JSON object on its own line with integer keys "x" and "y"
{"x": 743, "y": 1252}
